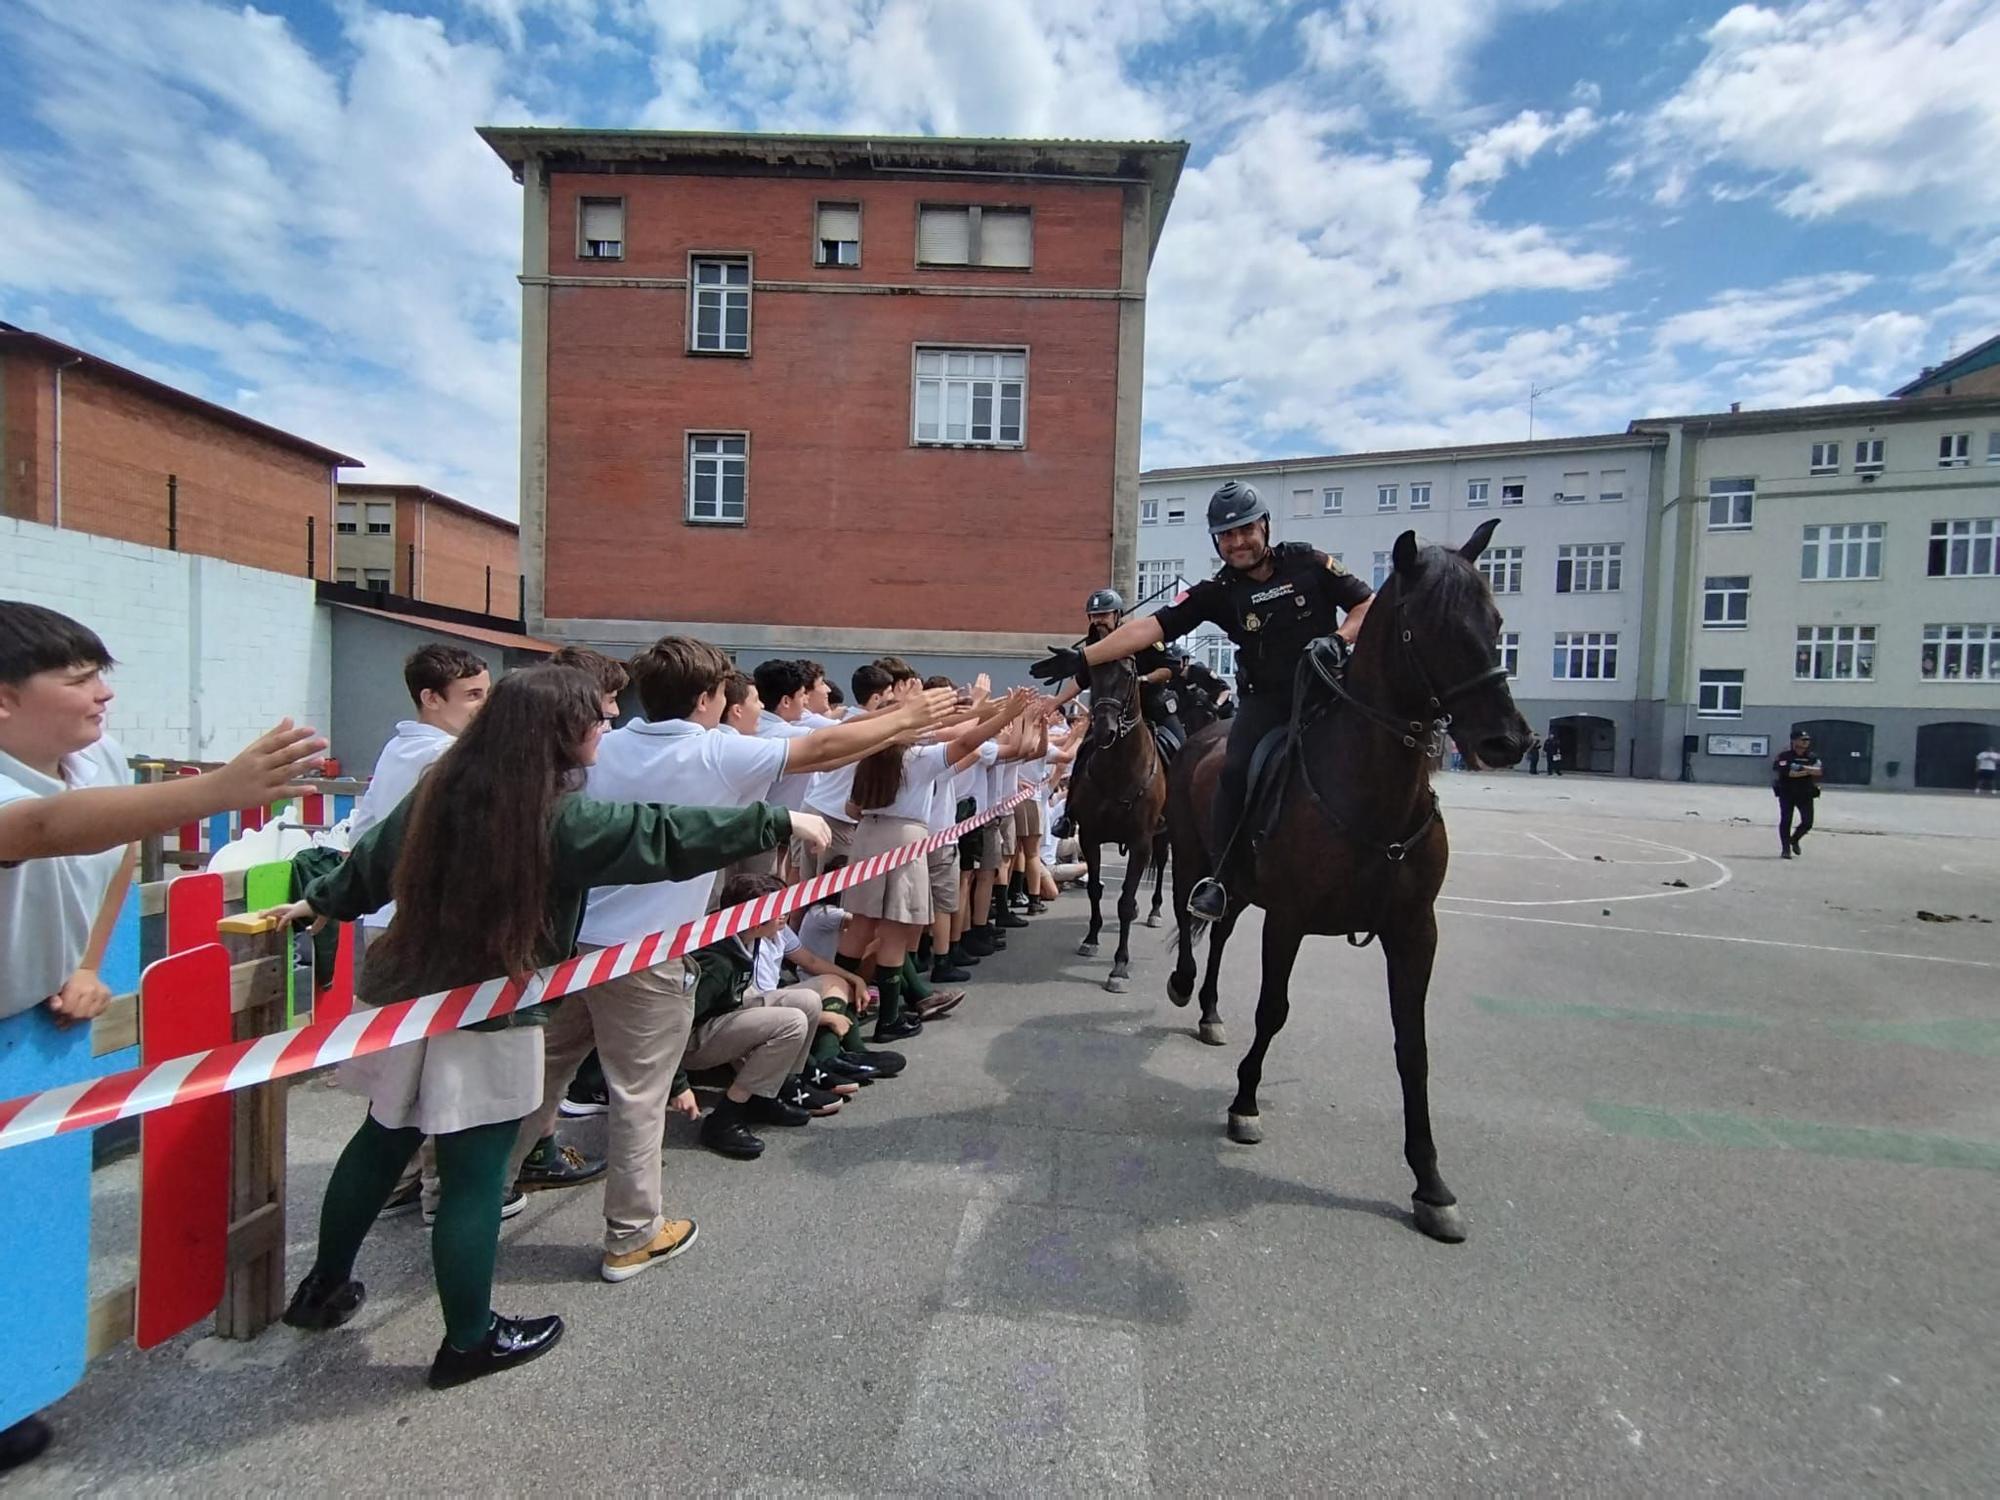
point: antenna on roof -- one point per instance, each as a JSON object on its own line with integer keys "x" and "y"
{"x": 1535, "y": 393}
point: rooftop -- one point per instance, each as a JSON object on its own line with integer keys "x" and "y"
{"x": 1978, "y": 357}
{"x": 1157, "y": 163}
{"x": 1526, "y": 449}
{"x": 430, "y": 497}
{"x": 1834, "y": 414}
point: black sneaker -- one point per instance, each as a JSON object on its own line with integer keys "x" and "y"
{"x": 1008, "y": 919}
{"x": 510, "y": 1205}
{"x": 886, "y": 1064}
{"x": 563, "y": 1167}
{"x": 1799, "y": 848}
{"x": 1208, "y": 901}
{"x": 899, "y": 1030}
{"x": 853, "y": 1070}
{"x": 958, "y": 958}
{"x": 823, "y": 1078}
{"x": 405, "y": 1198}
{"x": 23, "y": 1443}
{"x": 510, "y": 1341}
{"x": 726, "y": 1135}
{"x": 802, "y": 1095}
{"x": 321, "y": 1302}
{"x": 943, "y": 973}
{"x": 1036, "y": 906}
{"x": 584, "y": 1099}
{"x": 765, "y": 1110}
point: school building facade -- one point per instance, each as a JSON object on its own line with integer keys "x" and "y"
{"x": 830, "y": 396}
{"x": 407, "y": 540}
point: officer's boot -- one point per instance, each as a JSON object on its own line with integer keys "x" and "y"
{"x": 1209, "y": 900}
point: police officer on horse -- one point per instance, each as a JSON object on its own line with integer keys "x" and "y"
{"x": 1103, "y": 612}
{"x": 1271, "y": 602}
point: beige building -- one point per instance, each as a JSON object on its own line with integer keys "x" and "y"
{"x": 413, "y": 542}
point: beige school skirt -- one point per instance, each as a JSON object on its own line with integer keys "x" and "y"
{"x": 902, "y": 895}
{"x": 451, "y": 1082}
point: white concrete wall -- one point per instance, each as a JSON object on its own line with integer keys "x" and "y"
{"x": 210, "y": 654}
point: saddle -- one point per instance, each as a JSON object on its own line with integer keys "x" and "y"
{"x": 1325, "y": 660}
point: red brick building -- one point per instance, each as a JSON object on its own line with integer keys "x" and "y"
{"x": 411, "y": 541}
{"x": 908, "y": 368}
{"x": 92, "y": 446}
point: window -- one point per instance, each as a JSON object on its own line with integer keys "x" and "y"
{"x": 975, "y": 236}
{"x": 1954, "y": 450}
{"x": 837, "y": 234}
{"x": 1853, "y": 550}
{"x": 1575, "y": 487}
{"x": 1725, "y": 602}
{"x": 600, "y": 229}
{"x": 1825, "y": 459}
{"x": 1513, "y": 491}
{"x": 1510, "y": 652}
{"x": 1329, "y": 502}
{"x": 972, "y": 396}
{"x": 1476, "y": 491}
{"x": 1215, "y": 652}
{"x": 1993, "y": 446}
{"x": 1964, "y": 549}
{"x": 376, "y": 579}
{"x": 381, "y": 519}
{"x": 1962, "y": 653}
{"x": 1420, "y": 497}
{"x": 1586, "y": 655}
{"x": 1721, "y": 693}
{"x": 346, "y": 517}
{"x": 718, "y": 473}
{"x": 1730, "y": 502}
{"x": 721, "y": 292}
{"x": 1176, "y": 513}
{"x": 1149, "y": 512}
{"x": 1868, "y": 456}
{"x": 1611, "y": 485}
{"x": 1835, "y": 653}
{"x": 1589, "y": 567}
{"x": 1379, "y": 573}
{"x": 1157, "y": 576}
{"x": 1385, "y": 497}
{"x": 1501, "y": 568}
{"x": 1302, "y": 502}
{"x": 346, "y": 575}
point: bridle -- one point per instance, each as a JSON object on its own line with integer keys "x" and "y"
{"x": 1122, "y": 717}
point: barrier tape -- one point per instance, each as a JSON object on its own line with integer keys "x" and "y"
{"x": 242, "y": 1065}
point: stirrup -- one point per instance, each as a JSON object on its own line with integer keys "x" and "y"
{"x": 1208, "y": 893}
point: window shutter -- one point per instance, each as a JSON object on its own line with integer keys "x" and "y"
{"x": 1004, "y": 237}
{"x": 839, "y": 221}
{"x": 604, "y": 221}
{"x": 944, "y": 236}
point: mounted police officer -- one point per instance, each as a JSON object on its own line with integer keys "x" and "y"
{"x": 1271, "y": 601}
{"x": 1103, "y": 612}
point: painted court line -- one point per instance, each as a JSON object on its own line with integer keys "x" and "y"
{"x": 1854, "y": 1142}
{"x": 1713, "y": 937}
{"x": 1975, "y": 1036}
{"x": 1547, "y": 845}
{"x": 1688, "y": 856}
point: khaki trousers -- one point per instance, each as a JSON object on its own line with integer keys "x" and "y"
{"x": 806, "y": 864}
{"x": 766, "y": 1041}
{"x": 639, "y": 1024}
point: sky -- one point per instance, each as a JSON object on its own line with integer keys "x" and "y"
{"x": 1399, "y": 217}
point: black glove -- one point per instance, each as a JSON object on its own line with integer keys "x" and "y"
{"x": 1060, "y": 665}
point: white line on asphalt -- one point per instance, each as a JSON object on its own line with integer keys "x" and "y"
{"x": 1547, "y": 845}
{"x": 1716, "y": 937}
{"x": 1688, "y": 857}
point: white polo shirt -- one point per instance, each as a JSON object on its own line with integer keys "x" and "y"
{"x": 792, "y": 787}
{"x": 829, "y": 792}
{"x": 398, "y": 769}
{"x": 923, "y": 765}
{"x": 48, "y": 906}
{"x": 974, "y": 781}
{"x": 674, "y": 761}
{"x": 771, "y": 952}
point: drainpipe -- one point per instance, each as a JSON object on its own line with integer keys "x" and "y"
{"x": 57, "y": 466}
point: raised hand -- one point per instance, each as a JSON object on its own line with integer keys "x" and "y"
{"x": 1061, "y": 664}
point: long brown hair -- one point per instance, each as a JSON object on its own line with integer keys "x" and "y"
{"x": 473, "y": 875}
{"x": 879, "y": 778}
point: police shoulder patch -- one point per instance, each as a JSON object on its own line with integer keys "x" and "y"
{"x": 1333, "y": 565}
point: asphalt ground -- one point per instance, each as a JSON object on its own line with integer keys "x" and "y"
{"x": 1730, "y": 1153}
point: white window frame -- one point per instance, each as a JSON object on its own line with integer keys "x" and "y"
{"x": 975, "y": 222}
{"x": 1302, "y": 504}
{"x": 1176, "y": 512}
{"x": 1215, "y": 651}
{"x": 1868, "y": 455}
{"x": 1726, "y": 589}
{"x": 1837, "y": 647}
{"x": 1514, "y": 489}
{"x": 722, "y": 295}
{"x": 716, "y": 460}
{"x": 1569, "y": 496}
{"x": 1330, "y": 499}
{"x": 1719, "y": 693}
{"x": 820, "y": 242}
{"x": 1589, "y": 567}
{"x": 1385, "y": 497}
{"x": 1149, "y": 512}
{"x": 1420, "y": 496}
{"x": 1741, "y": 498}
{"x": 946, "y": 379}
{"x": 1954, "y": 450}
{"x": 1593, "y": 654}
{"x": 1478, "y": 492}
{"x": 1156, "y": 574}
{"x": 1501, "y": 567}
{"x": 1971, "y": 541}
{"x": 1604, "y": 480}
{"x": 1379, "y": 569}
{"x": 1969, "y": 643}
{"x": 587, "y": 249}
{"x": 1510, "y": 652}
{"x": 1993, "y": 446}
{"x": 346, "y": 518}
{"x": 380, "y": 580}
{"x": 378, "y": 518}
{"x": 1830, "y": 552}
{"x": 1824, "y": 458}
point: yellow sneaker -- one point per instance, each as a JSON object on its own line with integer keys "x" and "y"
{"x": 673, "y": 1238}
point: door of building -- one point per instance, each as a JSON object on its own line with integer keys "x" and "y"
{"x": 1845, "y": 747}
{"x": 1589, "y": 743}
{"x": 1945, "y": 751}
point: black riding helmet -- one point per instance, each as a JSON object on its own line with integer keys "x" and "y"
{"x": 1105, "y": 602}
{"x": 1235, "y": 504}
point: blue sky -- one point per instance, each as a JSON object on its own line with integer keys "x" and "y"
{"x": 1398, "y": 214}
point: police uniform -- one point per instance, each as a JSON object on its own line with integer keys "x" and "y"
{"x": 1271, "y": 621}
{"x": 1796, "y": 794}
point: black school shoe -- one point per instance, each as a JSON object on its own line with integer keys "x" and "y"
{"x": 1008, "y": 919}
{"x": 944, "y": 972}
{"x": 850, "y": 1068}
{"x": 510, "y": 1341}
{"x": 886, "y": 1064}
{"x": 900, "y": 1030}
{"x": 826, "y": 1080}
{"x": 724, "y": 1133}
{"x": 321, "y": 1302}
{"x": 764, "y": 1110}
{"x": 803, "y": 1096}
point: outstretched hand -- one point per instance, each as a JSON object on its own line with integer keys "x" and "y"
{"x": 1060, "y": 665}
{"x": 267, "y": 769}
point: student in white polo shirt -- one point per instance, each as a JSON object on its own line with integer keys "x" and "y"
{"x": 640, "y": 1022}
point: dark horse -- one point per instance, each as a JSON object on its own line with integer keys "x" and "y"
{"x": 1197, "y": 712}
{"x": 1356, "y": 846}
{"x": 1118, "y": 798}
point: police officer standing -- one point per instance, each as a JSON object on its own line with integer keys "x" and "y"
{"x": 1795, "y": 778}
{"x": 1270, "y": 601}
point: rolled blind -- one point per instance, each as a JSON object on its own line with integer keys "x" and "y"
{"x": 944, "y": 236}
{"x": 1004, "y": 238}
{"x": 839, "y": 221}
{"x": 604, "y": 221}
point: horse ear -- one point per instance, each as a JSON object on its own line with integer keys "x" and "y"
{"x": 1407, "y": 558}
{"x": 1476, "y": 543}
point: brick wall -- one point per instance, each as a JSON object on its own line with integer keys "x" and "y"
{"x": 210, "y": 654}
{"x": 454, "y": 551}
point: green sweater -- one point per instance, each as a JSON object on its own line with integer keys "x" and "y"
{"x": 594, "y": 843}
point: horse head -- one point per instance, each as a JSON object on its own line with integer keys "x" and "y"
{"x": 1114, "y": 702}
{"x": 1436, "y": 637}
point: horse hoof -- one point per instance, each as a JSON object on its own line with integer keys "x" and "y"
{"x": 1439, "y": 1221}
{"x": 1118, "y": 984}
{"x": 1178, "y": 993}
{"x": 1153, "y": 919}
{"x": 1211, "y": 1033}
{"x": 1245, "y": 1130}
{"x": 1086, "y": 950}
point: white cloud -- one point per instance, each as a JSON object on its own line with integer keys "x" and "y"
{"x": 1418, "y": 50}
{"x": 1491, "y": 154}
{"x": 1880, "y": 108}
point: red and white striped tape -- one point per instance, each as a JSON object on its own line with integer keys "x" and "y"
{"x": 241, "y": 1065}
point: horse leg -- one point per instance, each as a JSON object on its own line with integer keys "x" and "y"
{"x": 1210, "y": 1029}
{"x": 1409, "y": 955}
{"x": 1128, "y": 908}
{"x": 1159, "y": 877}
{"x": 1281, "y": 951}
{"x": 1093, "y": 882}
